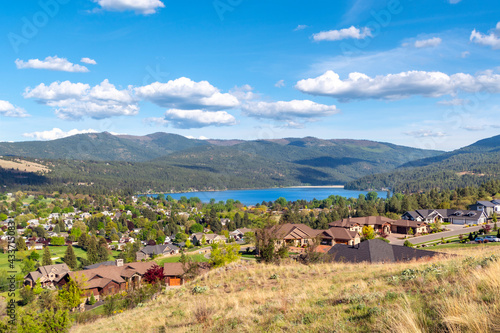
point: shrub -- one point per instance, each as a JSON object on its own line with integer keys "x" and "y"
{"x": 202, "y": 313}
{"x": 408, "y": 243}
{"x": 199, "y": 290}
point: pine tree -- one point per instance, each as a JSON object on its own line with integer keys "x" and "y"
{"x": 92, "y": 255}
{"x": 70, "y": 257}
{"x": 46, "y": 259}
{"x": 61, "y": 225}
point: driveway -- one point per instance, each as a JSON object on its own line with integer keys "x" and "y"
{"x": 455, "y": 230}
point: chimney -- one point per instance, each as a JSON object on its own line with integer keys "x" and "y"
{"x": 119, "y": 262}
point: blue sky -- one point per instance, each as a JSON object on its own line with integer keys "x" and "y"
{"x": 418, "y": 73}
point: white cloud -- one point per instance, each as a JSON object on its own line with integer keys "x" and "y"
{"x": 144, "y": 7}
{"x": 288, "y": 110}
{"x": 493, "y": 39}
{"x": 9, "y": 110}
{"x": 454, "y": 102}
{"x": 78, "y": 100}
{"x": 426, "y": 134}
{"x": 198, "y": 118}
{"x": 465, "y": 54}
{"x": 183, "y": 93}
{"x": 196, "y": 138}
{"x": 53, "y": 64}
{"x": 334, "y": 35}
{"x": 301, "y": 27}
{"x": 428, "y": 42}
{"x": 56, "y": 133}
{"x": 398, "y": 86}
{"x": 280, "y": 84}
{"x": 88, "y": 61}
{"x": 243, "y": 93}
{"x": 475, "y": 128}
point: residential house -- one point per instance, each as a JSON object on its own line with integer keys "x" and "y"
{"x": 453, "y": 216}
{"x": 380, "y": 224}
{"x": 224, "y": 221}
{"x": 301, "y": 235}
{"x": 174, "y": 272}
{"x": 154, "y": 250}
{"x": 404, "y": 226}
{"x": 209, "y": 238}
{"x": 489, "y": 207}
{"x": 49, "y": 276}
{"x": 239, "y": 233}
{"x": 108, "y": 279}
{"x": 377, "y": 251}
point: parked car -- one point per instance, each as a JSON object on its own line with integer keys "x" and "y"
{"x": 492, "y": 239}
{"x": 479, "y": 240}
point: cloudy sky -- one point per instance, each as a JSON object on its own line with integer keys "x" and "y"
{"x": 419, "y": 73}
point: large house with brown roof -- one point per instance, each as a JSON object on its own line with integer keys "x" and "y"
{"x": 380, "y": 224}
{"x": 301, "y": 235}
{"x": 107, "y": 280}
{"x": 49, "y": 276}
{"x": 404, "y": 226}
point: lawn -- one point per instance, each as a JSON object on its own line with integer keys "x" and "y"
{"x": 459, "y": 246}
{"x": 196, "y": 257}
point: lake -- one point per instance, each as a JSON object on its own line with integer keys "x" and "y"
{"x": 252, "y": 197}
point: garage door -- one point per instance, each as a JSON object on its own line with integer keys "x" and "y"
{"x": 175, "y": 282}
{"x": 401, "y": 230}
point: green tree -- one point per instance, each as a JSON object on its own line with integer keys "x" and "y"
{"x": 92, "y": 254}
{"x": 189, "y": 244}
{"x": 57, "y": 241}
{"x": 3, "y": 217}
{"x": 70, "y": 295}
{"x": 203, "y": 240}
{"x": 27, "y": 266}
{"x": 196, "y": 227}
{"x": 57, "y": 229}
{"x": 21, "y": 244}
{"x": 249, "y": 237}
{"x": 34, "y": 255}
{"x": 368, "y": 232}
{"x": 70, "y": 257}
{"x": 46, "y": 259}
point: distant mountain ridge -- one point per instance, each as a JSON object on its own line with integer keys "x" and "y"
{"x": 167, "y": 162}
{"x": 467, "y": 166}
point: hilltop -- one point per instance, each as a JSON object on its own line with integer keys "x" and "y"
{"x": 467, "y": 166}
{"x": 454, "y": 294}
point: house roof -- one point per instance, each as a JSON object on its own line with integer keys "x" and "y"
{"x": 408, "y": 223}
{"x": 376, "y": 250}
{"x": 367, "y": 220}
{"x": 485, "y": 203}
{"x": 173, "y": 269}
{"x": 295, "y": 231}
{"x": 104, "y": 263}
{"x": 43, "y": 271}
{"x": 158, "y": 249}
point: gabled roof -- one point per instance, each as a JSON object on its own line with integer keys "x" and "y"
{"x": 295, "y": 231}
{"x": 366, "y": 220}
{"x": 485, "y": 204}
{"x": 342, "y": 234}
{"x": 173, "y": 269}
{"x": 158, "y": 249}
{"x": 496, "y": 201}
{"x": 376, "y": 250}
{"x": 43, "y": 271}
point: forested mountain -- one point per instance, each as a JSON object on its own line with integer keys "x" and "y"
{"x": 468, "y": 166}
{"x": 164, "y": 162}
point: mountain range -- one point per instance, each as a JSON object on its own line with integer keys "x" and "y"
{"x": 170, "y": 162}
{"x": 164, "y": 162}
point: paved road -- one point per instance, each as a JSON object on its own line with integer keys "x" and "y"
{"x": 455, "y": 231}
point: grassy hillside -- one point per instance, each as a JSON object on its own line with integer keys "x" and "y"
{"x": 468, "y": 166}
{"x": 454, "y": 294}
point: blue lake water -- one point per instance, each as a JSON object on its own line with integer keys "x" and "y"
{"x": 252, "y": 197}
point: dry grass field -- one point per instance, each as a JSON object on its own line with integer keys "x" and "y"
{"x": 448, "y": 294}
{"x": 22, "y": 165}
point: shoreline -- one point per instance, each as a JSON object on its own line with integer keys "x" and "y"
{"x": 249, "y": 189}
